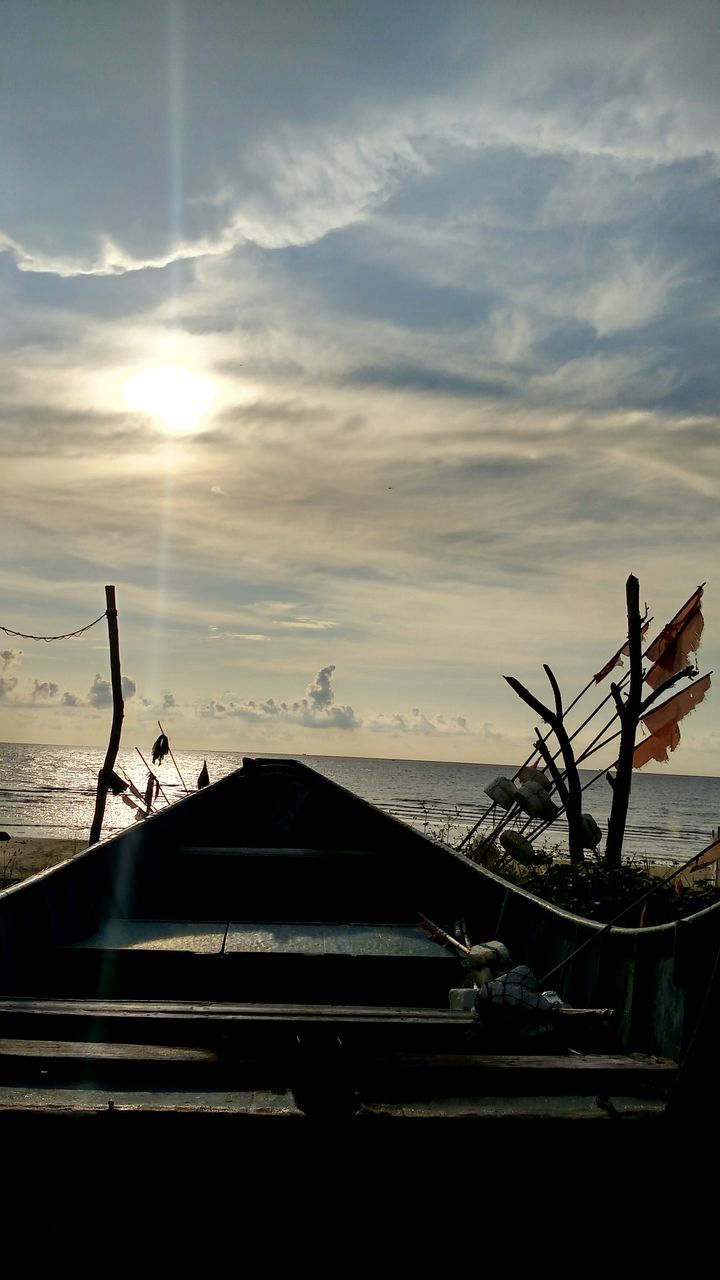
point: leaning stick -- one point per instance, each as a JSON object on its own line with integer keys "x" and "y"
{"x": 147, "y": 766}
{"x": 187, "y": 792}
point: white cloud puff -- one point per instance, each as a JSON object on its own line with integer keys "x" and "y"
{"x": 416, "y": 722}
{"x": 317, "y": 710}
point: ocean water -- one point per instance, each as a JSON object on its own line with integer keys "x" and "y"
{"x": 50, "y": 791}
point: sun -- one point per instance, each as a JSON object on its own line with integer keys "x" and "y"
{"x": 175, "y": 395}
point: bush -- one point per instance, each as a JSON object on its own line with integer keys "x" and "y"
{"x": 596, "y": 890}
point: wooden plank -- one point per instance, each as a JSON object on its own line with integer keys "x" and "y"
{"x": 199, "y": 937}
{"x": 521, "y": 1108}
{"x": 110, "y": 1104}
{"x": 95, "y": 1051}
{"x": 270, "y": 852}
{"x": 544, "y": 1064}
{"x": 380, "y": 941}
{"x": 110, "y": 1101}
{"x": 569, "y": 1064}
{"x": 270, "y": 1027}
{"x": 221, "y": 1012}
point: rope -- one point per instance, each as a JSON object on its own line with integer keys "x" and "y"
{"x": 67, "y": 635}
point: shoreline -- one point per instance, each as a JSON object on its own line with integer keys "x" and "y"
{"x": 24, "y": 856}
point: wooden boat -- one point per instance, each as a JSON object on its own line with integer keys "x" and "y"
{"x": 260, "y": 950}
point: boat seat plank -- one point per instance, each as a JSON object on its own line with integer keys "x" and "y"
{"x": 78, "y": 1099}
{"x": 201, "y": 937}
{"x": 376, "y": 940}
{"x": 272, "y": 853}
{"x": 542, "y": 1108}
{"x": 280, "y": 1105}
{"x": 97, "y": 1051}
{"x": 639, "y": 1066}
{"x": 226, "y": 1012}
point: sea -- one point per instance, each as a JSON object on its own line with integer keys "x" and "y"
{"x": 49, "y": 791}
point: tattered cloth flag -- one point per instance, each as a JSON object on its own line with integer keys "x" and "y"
{"x": 662, "y": 724}
{"x": 161, "y": 747}
{"x": 151, "y": 790}
{"x": 616, "y": 660}
{"x": 707, "y": 856}
{"x": 668, "y": 653}
{"x": 203, "y": 777}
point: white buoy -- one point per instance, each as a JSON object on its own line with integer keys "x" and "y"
{"x": 592, "y": 835}
{"x": 529, "y": 773}
{"x": 536, "y": 802}
{"x": 502, "y": 791}
{"x": 518, "y": 846}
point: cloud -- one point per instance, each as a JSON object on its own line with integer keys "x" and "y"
{"x": 272, "y": 165}
{"x": 7, "y": 684}
{"x": 44, "y": 690}
{"x": 459, "y": 306}
{"x": 307, "y": 624}
{"x": 235, "y": 635}
{"x": 10, "y": 658}
{"x": 416, "y": 722}
{"x": 70, "y": 700}
{"x": 100, "y": 692}
{"x": 317, "y": 710}
{"x": 320, "y": 694}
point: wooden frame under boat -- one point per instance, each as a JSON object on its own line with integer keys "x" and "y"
{"x": 256, "y": 950}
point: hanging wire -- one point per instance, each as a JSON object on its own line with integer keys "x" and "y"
{"x": 67, "y": 635}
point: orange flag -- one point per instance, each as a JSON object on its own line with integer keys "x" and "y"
{"x": 616, "y": 660}
{"x": 662, "y": 723}
{"x": 669, "y": 652}
{"x": 708, "y": 856}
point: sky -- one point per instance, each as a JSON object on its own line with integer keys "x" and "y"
{"x": 366, "y": 349}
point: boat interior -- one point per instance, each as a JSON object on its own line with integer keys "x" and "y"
{"x": 274, "y": 945}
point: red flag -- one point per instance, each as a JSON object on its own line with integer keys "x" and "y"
{"x": 669, "y": 652}
{"x": 657, "y": 747}
{"x": 707, "y": 856}
{"x": 662, "y": 723}
{"x": 616, "y": 660}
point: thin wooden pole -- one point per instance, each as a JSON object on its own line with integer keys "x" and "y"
{"x": 147, "y": 766}
{"x": 629, "y": 713}
{"x": 187, "y": 793}
{"x": 117, "y": 716}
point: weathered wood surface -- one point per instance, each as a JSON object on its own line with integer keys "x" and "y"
{"x": 209, "y": 1011}
{"x": 201, "y": 937}
{"x": 635, "y": 1065}
{"x": 218, "y": 1014}
{"x": 273, "y": 853}
{"x": 319, "y": 1069}
{"x": 531, "y": 1108}
{"x": 94, "y": 1051}
{"x": 108, "y": 1105}
{"x": 109, "y": 1102}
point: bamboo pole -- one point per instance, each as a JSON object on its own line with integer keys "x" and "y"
{"x": 182, "y": 780}
{"x": 147, "y": 766}
{"x": 117, "y": 716}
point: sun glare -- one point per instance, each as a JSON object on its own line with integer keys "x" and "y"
{"x": 173, "y": 394}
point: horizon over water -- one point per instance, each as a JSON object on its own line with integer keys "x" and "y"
{"x": 48, "y": 791}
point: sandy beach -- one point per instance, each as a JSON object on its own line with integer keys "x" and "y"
{"x": 23, "y": 857}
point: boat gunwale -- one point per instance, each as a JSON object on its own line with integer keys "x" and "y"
{"x": 142, "y": 833}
